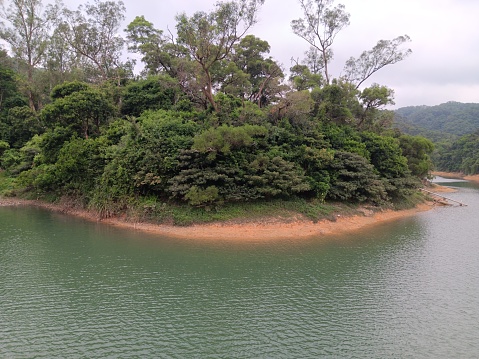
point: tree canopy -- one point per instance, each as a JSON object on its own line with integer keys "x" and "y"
{"x": 211, "y": 119}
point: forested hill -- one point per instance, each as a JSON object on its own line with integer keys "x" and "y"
{"x": 451, "y": 118}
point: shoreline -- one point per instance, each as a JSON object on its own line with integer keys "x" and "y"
{"x": 252, "y": 231}
{"x": 457, "y": 175}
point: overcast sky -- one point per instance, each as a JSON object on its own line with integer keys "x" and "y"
{"x": 444, "y": 65}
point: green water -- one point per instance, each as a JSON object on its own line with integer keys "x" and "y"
{"x": 75, "y": 289}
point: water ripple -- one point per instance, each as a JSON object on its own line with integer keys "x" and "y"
{"x": 72, "y": 289}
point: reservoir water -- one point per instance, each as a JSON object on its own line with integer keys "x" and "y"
{"x": 404, "y": 289}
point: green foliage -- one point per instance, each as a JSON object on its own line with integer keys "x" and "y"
{"x": 345, "y": 138}
{"x": 451, "y": 118}
{"x": 83, "y": 111}
{"x": 7, "y": 184}
{"x": 16, "y": 161}
{"x": 68, "y": 88}
{"x": 143, "y": 160}
{"x": 197, "y": 196}
{"x": 154, "y": 93}
{"x": 3, "y": 147}
{"x": 144, "y": 39}
{"x": 461, "y": 155}
{"x": 239, "y": 175}
{"x": 335, "y": 103}
{"x": 355, "y": 179}
{"x": 10, "y": 95}
{"x": 79, "y": 165}
{"x": 226, "y": 138}
{"x": 277, "y": 177}
{"x": 384, "y": 53}
{"x": 52, "y": 141}
{"x": 303, "y": 79}
{"x": 21, "y": 124}
{"x": 9, "y": 159}
{"x": 92, "y": 34}
{"x": 417, "y": 150}
{"x": 210, "y": 37}
{"x": 386, "y": 155}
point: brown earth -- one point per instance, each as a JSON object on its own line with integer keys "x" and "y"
{"x": 253, "y": 231}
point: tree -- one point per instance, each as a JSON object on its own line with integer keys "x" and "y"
{"x": 84, "y": 111}
{"x": 161, "y": 55}
{"x": 92, "y": 31}
{"x": 28, "y": 36}
{"x": 337, "y": 102}
{"x": 156, "y": 92}
{"x": 386, "y": 52}
{"x": 210, "y": 37}
{"x": 303, "y": 79}
{"x": 295, "y": 106}
{"x": 9, "y": 94}
{"x": 417, "y": 150}
{"x": 263, "y": 74}
{"x": 319, "y": 27}
{"x": 355, "y": 179}
{"x": 62, "y": 63}
{"x": 386, "y": 155}
{"x": 144, "y": 39}
{"x": 372, "y": 99}
{"x": 23, "y": 124}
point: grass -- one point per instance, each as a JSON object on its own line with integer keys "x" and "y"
{"x": 284, "y": 210}
{"x": 7, "y": 185}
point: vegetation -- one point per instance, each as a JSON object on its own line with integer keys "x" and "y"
{"x": 210, "y": 130}
{"x": 451, "y": 118}
{"x": 453, "y": 126}
{"x": 461, "y": 155}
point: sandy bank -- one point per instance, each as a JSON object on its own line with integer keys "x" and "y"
{"x": 265, "y": 230}
{"x": 457, "y": 175}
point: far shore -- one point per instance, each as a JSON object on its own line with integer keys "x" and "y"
{"x": 457, "y": 175}
{"x": 258, "y": 230}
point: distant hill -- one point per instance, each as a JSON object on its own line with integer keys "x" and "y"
{"x": 446, "y": 121}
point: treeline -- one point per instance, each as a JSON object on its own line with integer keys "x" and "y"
{"x": 450, "y": 118}
{"x": 453, "y": 127}
{"x": 461, "y": 155}
{"x": 212, "y": 120}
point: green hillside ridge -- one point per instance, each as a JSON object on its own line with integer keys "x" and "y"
{"x": 452, "y": 126}
{"x": 450, "y": 118}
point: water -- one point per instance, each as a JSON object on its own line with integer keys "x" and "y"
{"x": 406, "y": 289}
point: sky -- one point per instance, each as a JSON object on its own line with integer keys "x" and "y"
{"x": 444, "y": 65}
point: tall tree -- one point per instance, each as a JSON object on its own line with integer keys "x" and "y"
{"x": 264, "y": 74}
{"x": 162, "y": 55}
{"x": 210, "y": 37}
{"x": 147, "y": 41}
{"x": 319, "y": 27}
{"x": 372, "y": 99}
{"x": 28, "y": 35}
{"x": 92, "y": 31}
{"x": 62, "y": 62}
{"x": 386, "y": 52}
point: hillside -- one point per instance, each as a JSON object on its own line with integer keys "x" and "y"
{"x": 445, "y": 121}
